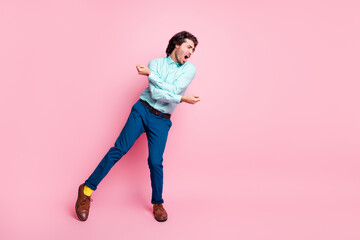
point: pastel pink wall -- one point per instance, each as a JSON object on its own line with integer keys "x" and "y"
{"x": 270, "y": 152}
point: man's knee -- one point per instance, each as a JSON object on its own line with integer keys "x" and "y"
{"x": 115, "y": 153}
{"x": 155, "y": 162}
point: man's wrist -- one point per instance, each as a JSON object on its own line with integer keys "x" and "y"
{"x": 183, "y": 99}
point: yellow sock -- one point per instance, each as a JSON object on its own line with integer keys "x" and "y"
{"x": 87, "y": 191}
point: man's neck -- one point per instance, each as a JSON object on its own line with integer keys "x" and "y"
{"x": 172, "y": 56}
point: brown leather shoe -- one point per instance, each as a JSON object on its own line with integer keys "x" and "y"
{"x": 82, "y": 205}
{"x": 159, "y": 212}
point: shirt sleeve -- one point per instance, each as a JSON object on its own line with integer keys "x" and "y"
{"x": 165, "y": 92}
{"x": 163, "y": 95}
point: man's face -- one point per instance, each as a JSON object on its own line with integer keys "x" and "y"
{"x": 184, "y": 51}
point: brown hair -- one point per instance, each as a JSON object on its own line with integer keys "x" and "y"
{"x": 179, "y": 39}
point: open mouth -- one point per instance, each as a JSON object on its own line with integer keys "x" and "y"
{"x": 186, "y": 57}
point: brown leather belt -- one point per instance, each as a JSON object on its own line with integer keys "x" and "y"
{"x": 154, "y": 111}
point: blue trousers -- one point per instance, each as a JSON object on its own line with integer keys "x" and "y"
{"x": 140, "y": 120}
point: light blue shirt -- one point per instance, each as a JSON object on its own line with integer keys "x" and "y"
{"x": 167, "y": 83}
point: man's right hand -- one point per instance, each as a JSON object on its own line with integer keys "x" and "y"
{"x": 191, "y": 99}
{"x": 143, "y": 70}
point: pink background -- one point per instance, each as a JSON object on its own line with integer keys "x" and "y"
{"x": 270, "y": 152}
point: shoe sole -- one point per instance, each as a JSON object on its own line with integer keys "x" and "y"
{"x": 159, "y": 220}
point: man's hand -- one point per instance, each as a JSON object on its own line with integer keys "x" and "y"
{"x": 143, "y": 70}
{"x": 191, "y": 99}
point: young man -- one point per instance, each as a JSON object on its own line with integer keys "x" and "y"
{"x": 168, "y": 79}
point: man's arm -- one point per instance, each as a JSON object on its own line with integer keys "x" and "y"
{"x": 154, "y": 78}
{"x": 166, "y": 92}
{"x": 163, "y": 95}
{"x": 166, "y": 96}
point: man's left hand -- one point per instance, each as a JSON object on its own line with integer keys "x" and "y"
{"x": 143, "y": 70}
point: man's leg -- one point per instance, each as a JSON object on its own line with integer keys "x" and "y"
{"x": 157, "y": 133}
{"x": 133, "y": 128}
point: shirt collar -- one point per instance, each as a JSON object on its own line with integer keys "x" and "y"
{"x": 170, "y": 61}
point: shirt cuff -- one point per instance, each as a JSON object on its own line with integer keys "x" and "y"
{"x": 152, "y": 76}
{"x": 178, "y": 98}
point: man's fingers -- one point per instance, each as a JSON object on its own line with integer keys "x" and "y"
{"x": 139, "y": 67}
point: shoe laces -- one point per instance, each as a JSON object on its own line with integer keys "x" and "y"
{"x": 86, "y": 200}
{"x": 158, "y": 206}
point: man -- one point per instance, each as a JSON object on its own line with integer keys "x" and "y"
{"x": 168, "y": 79}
